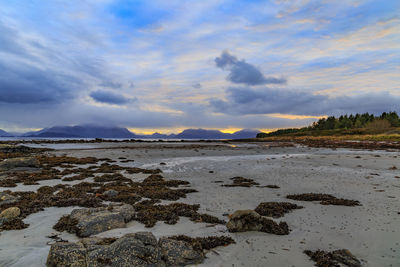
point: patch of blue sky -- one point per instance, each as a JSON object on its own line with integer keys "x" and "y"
{"x": 137, "y": 14}
{"x": 252, "y": 9}
{"x": 350, "y": 17}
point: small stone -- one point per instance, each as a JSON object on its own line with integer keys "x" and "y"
{"x": 110, "y": 193}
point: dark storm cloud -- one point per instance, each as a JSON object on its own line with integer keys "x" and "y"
{"x": 244, "y": 101}
{"x": 110, "y": 98}
{"x": 33, "y": 71}
{"x": 21, "y": 84}
{"x": 243, "y": 72}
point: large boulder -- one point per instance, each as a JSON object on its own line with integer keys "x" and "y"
{"x": 66, "y": 254}
{"x": 96, "y": 220}
{"x": 249, "y": 220}
{"x": 138, "y": 249}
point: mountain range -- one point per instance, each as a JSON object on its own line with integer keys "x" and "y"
{"x": 92, "y": 131}
{"x": 5, "y": 134}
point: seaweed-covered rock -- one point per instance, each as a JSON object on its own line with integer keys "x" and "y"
{"x": 249, "y": 220}
{"x": 325, "y": 199}
{"x": 239, "y": 181}
{"x": 275, "y": 209}
{"x": 335, "y": 258}
{"x": 87, "y": 222}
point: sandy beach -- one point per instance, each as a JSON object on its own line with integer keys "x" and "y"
{"x": 370, "y": 231}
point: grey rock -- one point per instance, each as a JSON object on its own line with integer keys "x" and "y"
{"x": 96, "y": 220}
{"x": 179, "y": 253}
{"x": 138, "y": 249}
{"x": 66, "y": 254}
{"x": 7, "y": 199}
{"x": 110, "y": 193}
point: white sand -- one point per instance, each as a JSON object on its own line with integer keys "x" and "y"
{"x": 371, "y": 231}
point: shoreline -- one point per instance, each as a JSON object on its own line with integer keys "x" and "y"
{"x": 369, "y": 231}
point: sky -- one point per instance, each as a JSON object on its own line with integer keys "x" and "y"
{"x": 217, "y": 64}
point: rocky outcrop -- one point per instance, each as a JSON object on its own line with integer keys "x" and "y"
{"x": 87, "y": 222}
{"x": 14, "y": 163}
{"x": 249, "y": 220}
{"x": 138, "y": 249}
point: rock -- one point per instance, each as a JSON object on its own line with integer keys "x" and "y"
{"x": 110, "y": 193}
{"x": 275, "y": 209}
{"x": 179, "y": 253}
{"x": 96, "y": 220}
{"x": 12, "y": 163}
{"x": 249, "y": 220}
{"x": 7, "y": 199}
{"x": 139, "y": 249}
{"x": 335, "y": 258}
{"x": 66, "y": 254}
{"x": 10, "y": 213}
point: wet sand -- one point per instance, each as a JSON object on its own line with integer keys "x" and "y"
{"x": 370, "y": 231}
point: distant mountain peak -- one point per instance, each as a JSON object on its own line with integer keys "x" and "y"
{"x": 98, "y": 131}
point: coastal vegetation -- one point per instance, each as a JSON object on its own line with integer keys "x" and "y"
{"x": 362, "y": 126}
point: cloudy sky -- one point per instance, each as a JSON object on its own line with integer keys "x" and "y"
{"x": 168, "y": 65}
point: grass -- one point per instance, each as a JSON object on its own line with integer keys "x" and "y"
{"x": 363, "y": 137}
{"x": 359, "y": 134}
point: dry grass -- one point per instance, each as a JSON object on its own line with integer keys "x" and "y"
{"x": 366, "y": 137}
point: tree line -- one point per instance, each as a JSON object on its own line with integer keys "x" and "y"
{"x": 390, "y": 119}
{"x": 357, "y": 121}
